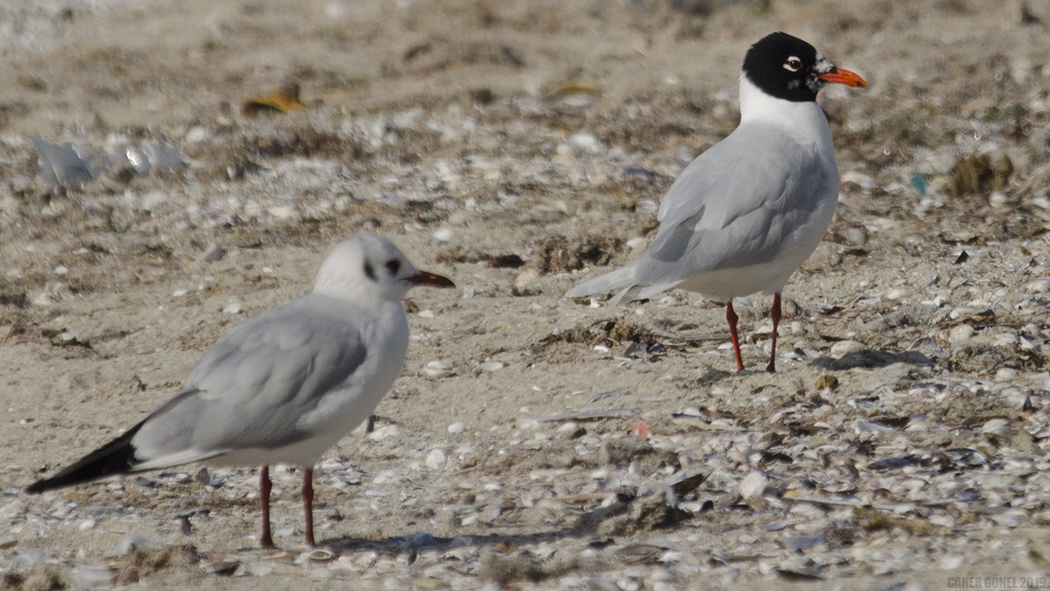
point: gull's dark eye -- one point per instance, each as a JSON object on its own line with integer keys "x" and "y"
{"x": 793, "y": 64}
{"x": 393, "y": 265}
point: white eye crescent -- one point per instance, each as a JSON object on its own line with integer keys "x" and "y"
{"x": 793, "y": 64}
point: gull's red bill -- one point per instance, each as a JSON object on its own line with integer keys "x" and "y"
{"x": 840, "y": 76}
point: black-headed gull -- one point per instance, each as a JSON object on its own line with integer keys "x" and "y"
{"x": 745, "y": 214}
{"x": 283, "y": 386}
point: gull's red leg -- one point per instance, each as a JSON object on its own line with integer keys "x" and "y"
{"x": 264, "y": 497}
{"x": 774, "y": 313}
{"x": 308, "y": 504}
{"x": 731, "y": 317}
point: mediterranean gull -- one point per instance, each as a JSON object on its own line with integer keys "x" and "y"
{"x": 745, "y": 214}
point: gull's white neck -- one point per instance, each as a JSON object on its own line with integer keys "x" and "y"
{"x": 805, "y": 119}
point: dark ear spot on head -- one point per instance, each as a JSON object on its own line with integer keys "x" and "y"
{"x": 369, "y": 271}
{"x": 393, "y": 266}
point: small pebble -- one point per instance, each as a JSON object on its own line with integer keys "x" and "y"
{"x": 827, "y": 382}
{"x": 964, "y": 312}
{"x": 752, "y": 486}
{"x": 283, "y": 212}
{"x": 585, "y": 140}
{"x": 845, "y": 347}
{"x": 1006, "y": 338}
{"x": 386, "y": 432}
{"x": 437, "y": 369}
{"x": 457, "y": 428}
{"x": 320, "y": 555}
{"x": 1038, "y": 285}
{"x": 567, "y": 427}
{"x": 1006, "y": 374}
{"x": 855, "y": 236}
{"x": 960, "y": 334}
{"x": 996, "y": 427}
{"x": 196, "y": 134}
{"x": 526, "y": 277}
{"x": 365, "y": 559}
{"x": 636, "y": 243}
{"x": 214, "y": 254}
{"x": 863, "y": 180}
{"x": 436, "y": 459}
{"x": 528, "y": 424}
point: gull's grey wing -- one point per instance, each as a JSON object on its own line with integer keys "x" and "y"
{"x": 740, "y": 203}
{"x": 252, "y": 386}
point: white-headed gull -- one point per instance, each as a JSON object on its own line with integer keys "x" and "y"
{"x": 282, "y": 386}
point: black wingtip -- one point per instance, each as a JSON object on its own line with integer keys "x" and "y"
{"x": 116, "y": 457}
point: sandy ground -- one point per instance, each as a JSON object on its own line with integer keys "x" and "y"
{"x": 903, "y": 441}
